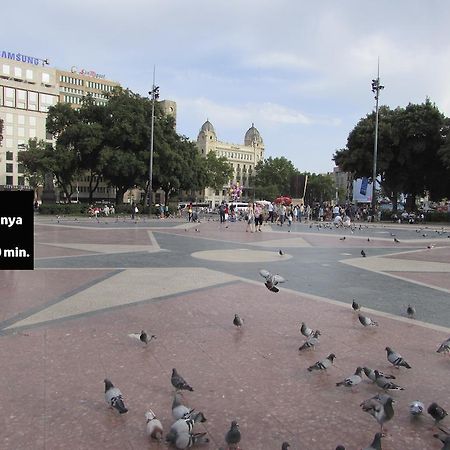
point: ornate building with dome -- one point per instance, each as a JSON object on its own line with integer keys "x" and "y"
{"x": 243, "y": 158}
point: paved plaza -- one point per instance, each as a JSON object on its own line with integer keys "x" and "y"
{"x": 64, "y": 328}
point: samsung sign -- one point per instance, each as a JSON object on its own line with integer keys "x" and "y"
{"x": 21, "y": 58}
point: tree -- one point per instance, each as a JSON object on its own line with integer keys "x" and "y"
{"x": 218, "y": 171}
{"x": 408, "y": 141}
{"x": 319, "y": 188}
{"x": 42, "y": 157}
{"x": 33, "y": 169}
{"x": 273, "y": 177}
{"x": 125, "y": 150}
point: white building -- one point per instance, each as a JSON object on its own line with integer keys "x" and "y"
{"x": 243, "y": 158}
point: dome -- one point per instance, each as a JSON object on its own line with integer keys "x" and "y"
{"x": 252, "y": 136}
{"x": 207, "y": 127}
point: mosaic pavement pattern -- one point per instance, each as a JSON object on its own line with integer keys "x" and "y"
{"x": 64, "y": 328}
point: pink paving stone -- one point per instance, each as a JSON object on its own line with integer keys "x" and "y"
{"x": 66, "y": 234}
{"x": 49, "y": 251}
{"x": 435, "y": 254}
{"x": 52, "y": 388}
{"x": 22, "y": 290}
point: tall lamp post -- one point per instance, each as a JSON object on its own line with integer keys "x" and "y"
{"x": 154, "y": 93}
{"x": 376, "y": 88}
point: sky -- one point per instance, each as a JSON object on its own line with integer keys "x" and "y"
{"x": 301, "y": 71}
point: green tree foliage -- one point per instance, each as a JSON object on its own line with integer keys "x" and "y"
{"x": 218, "y": 171}
{"x": 409, "y": 140}
{"x": 319, "y": 188}
{"x": 42, "y": 157}
{"x": 34, "y": 171}
{"x": 273, "y": 177}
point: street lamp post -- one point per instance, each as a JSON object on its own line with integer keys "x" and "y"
{"x": 154, "y": 96}
{"x": 376, "y": 88}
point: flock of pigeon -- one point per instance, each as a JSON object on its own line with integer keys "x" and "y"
{"x": 381, "y": 406}
{"x": 181, "y": 433}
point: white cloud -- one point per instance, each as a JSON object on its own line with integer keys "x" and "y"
{"x": 278, "y": 60}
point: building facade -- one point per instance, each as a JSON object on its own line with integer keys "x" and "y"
{"x": 28, "y": 87}
{"x": 243, "y": 158}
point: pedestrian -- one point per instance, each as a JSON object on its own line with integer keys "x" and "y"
{"x": 222, "y": 212}
{"x": 250, "y": 218}
{"x": 282, "y": 213}
{"x": 270, "y": 208}
{"x": 258, "y": 217}
{"x": 190, "y": 212}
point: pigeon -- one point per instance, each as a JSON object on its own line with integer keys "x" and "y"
{"x": 416, "y": 408}
{"x": 342, "y": 238}
{"x": 376, "y": 443}
{"x": 280, "y": 252}
{"x": 340, "y": 447}
{"x": 356, "y": 306}
{"x": 178, "y": 382}
{"x": 179, "y": 411}
{"x": 186, "y": 425}
{"x": 113, "y": 397}
{"x": 307, "y": 332}
{"x": 233, "y": 435}
{"x": 444, "y": 347}
{"x": 437, "y": 412}
{"x": 311, "y": 342}
{"x": 324, "y": 364}
{"x": 386, "y": 384}
{"x": 411, "y": 312}
{"x": 285, "y": 445}
{"x": 396, "y": 359}
{"x": 370, "y": 373}
{"x": 238, "y": 321}
{"x": 271, "y": 280}
{"x": 396, "y": 240}
{"x": 142, "y": 336}
{"x": 186, "y": 440}
{"x": 363, "y": 253}
{"x": 367, "y": 321}
{"x": 368, "y": 239}
{"x": 352, "y": 380}
{"x": 380, "y": 407}
{"x": 154, "y": 426}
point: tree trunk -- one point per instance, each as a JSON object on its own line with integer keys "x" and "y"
{"x": 411, "y": 202}
{"x": 394, "y": 201}
{"x": 93, "y": 189}
{"x": 120, "y": 192}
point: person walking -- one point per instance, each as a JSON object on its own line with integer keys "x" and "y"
{"x": 258, "y": 217}
{"x": 222, "y": 212}
{"x": 250, "y": 218}
{"x": 270, "y": 208}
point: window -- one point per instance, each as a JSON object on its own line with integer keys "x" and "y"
{"x": 9, "y": 130}
{"x": 9, "y": 118}
{"x": 32, "y": 101}
{"x": 9, "y": 143}
{"x": 17, "y": 72}
{"x": 21, "y": 181}
{"x": 21, "y": 132}
{"x": 21, "y": 99}
{"x": 21, "y": 119}
{"x": 10, "y": 97}
{"x": 9, "y": 156}
{"x": 6, "y": 69}
{"x": 20, "y": 168}
{"x": 29, "y": 74}
{"x": 45, "y": 78}
{"x": 9, "y": 180}
{"x": 32, "y": 121}
{"x": 32, "y": 133}
{"x": 9, "y": 167}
